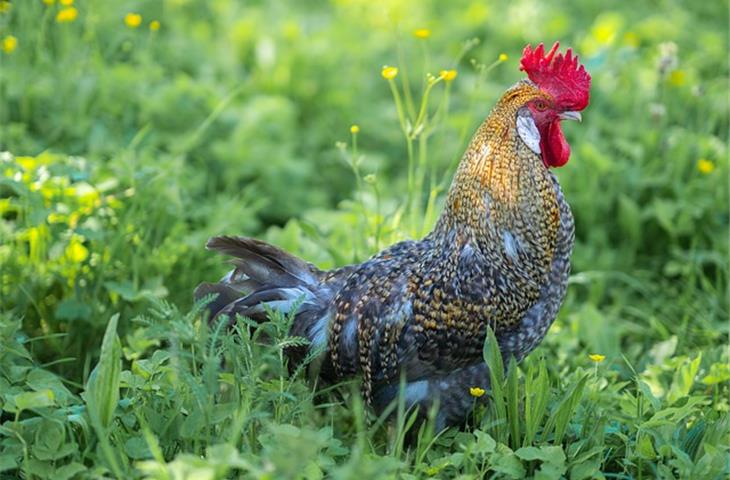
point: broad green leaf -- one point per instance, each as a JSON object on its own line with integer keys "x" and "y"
{"x": 39, "y": 379}
{"x": 684, "y": 379}
{"x": 102, "y": 388}
{"x": 42, "y": 452}
{"x": 586, "y": 469}
{"x": 549, "y": 471}
{"x": 485, "y": 443}
{"x": 645, "y": 447}
{"x": 552, "y": 460}
{"x": 137, "y": 448}
{"x": 48, "y": 440}
{"x": 504, "y": 461}
{"x": 69, "y": 471}
{"x": 42, "y": 469}
{"x": 192, "y": 425}
{"x": 719, "y": 372}
{"x": 531, "y": 453}
{"x": 8, "y": 462}
{"x": 28, "y": 400}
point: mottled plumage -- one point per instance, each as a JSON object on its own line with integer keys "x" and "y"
{"x": 498, "y": 256}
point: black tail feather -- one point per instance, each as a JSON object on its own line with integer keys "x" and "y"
{"x": 267, "y": 278}
{"x": 264, "y": 276}
{"x": 264, "y": 263}
{"x": 225, "y": 295}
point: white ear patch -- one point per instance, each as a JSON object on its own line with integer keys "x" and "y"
{"x": 527, "y": 131}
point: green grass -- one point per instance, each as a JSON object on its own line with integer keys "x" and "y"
{"x": 124, "y": 149}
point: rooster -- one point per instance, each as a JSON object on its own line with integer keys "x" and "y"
{"x": 418, "y": 311}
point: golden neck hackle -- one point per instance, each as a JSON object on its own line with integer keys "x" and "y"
{"x": 500, "y": 183}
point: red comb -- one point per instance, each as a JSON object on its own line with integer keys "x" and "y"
{"x": 560, "y": 75}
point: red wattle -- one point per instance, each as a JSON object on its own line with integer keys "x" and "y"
{"x": 555, "y": 148}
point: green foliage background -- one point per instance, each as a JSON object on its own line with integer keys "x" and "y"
{"x": 124, "y": 149}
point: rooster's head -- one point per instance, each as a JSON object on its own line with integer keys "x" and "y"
{"x": 568, "y": 86}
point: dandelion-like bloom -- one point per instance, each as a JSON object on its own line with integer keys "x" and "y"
{"x": 389, "y": 73}
{"x": 705, "y": 166}
{"x": 422, "y": 33}
{"x": 4, "y": 6}
{"x": 154, "y": 25}
{"x": 354, "y": 129}
{"x": 503, "y": 57}
{"x": 448, "y": 75}
{"x": 10, "y": 43}
{"x": 66, "y": 3}
{"x": 597, "y": 357}
{"x": 67, "y": 15}
{"x": 477, "y": 392}
{"x": 133, "y": 20}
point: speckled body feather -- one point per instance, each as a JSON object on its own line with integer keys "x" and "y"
{"x": 498, "y": 256}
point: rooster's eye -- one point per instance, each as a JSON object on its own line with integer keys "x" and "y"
{"x": 541, "y": 106}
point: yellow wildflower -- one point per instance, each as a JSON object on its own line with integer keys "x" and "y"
{"x": 27, "y": 163}
{"x": 606, "y": 28}
{"x": 66, "y": 3}
{"x": 88, "y": 197}
{"x": 36, "y": 242}
{"x": 73, "y": 219}
{"x": 10, "y": 43}
{"x": 49, "y": 2}
{"x": 477, "y": 392}
{"x": 55, "y": 217}
{"x": 597, "y": 357}
{"x": 354, "y": 129}
{"x": 389, "y": 73}
{"x": 705, "y": 166}
{"x": 154, "y": 25}
{"x": 4, "y": 6}
{"x": 503, "y": 57}
{"x": 133, "y": 20}
{"x": 448, "y": 75}
{"x": 67, "y": 15}
{"x": 422, "y": 33}
{"x": 76, "y": 252}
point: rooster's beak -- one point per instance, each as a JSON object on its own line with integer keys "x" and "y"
{"x": 570, "y": 116}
